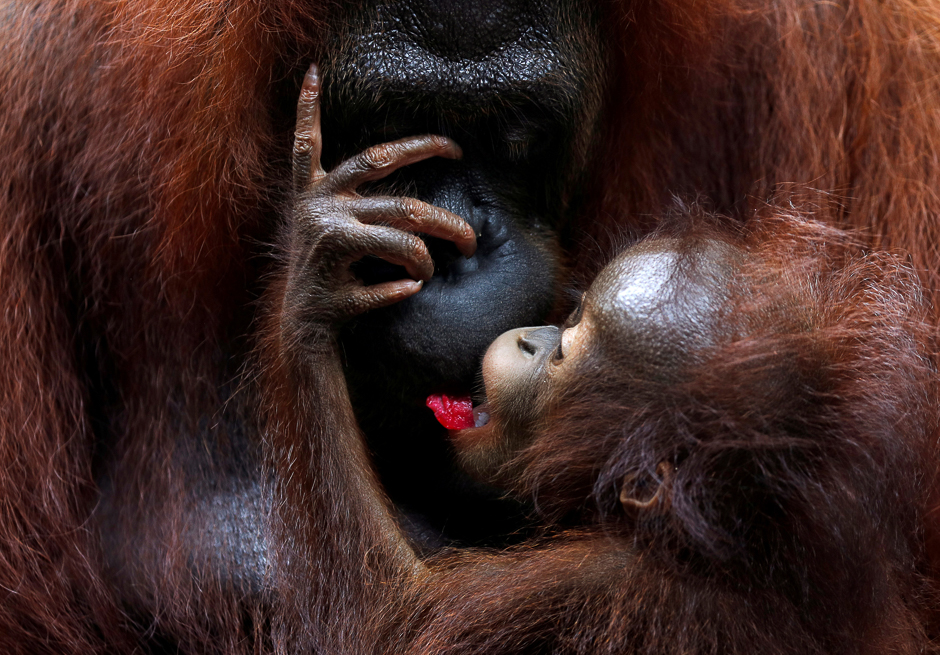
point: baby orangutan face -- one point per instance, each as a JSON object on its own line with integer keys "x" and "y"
{"x": 648, "y": 311}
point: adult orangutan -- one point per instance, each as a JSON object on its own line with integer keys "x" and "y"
{"x": 145, "y": 176}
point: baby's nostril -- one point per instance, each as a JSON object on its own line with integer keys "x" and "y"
{"x": 527, "y": 347}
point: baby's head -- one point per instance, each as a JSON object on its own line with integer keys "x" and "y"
{"x": 650, "y": 311}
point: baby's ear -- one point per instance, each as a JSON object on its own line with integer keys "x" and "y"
{"x": 644, "y": 493}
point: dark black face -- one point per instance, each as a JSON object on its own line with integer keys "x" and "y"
{"x": 517, "y": 84}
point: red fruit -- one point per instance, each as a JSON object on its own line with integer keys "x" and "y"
{"x": 453, "y": 412}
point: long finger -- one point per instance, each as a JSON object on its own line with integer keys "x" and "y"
{"x": 308, "y": 142}
{"x": 416, "y": 216}
{"x": 394, "y": 246}
{"x": 363, "y": 299}
{"x": 378, "y": 161}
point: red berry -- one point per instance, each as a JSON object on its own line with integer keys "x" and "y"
{"x": 453, "y": 412}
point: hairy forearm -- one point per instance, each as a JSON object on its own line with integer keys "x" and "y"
{"x": 342, "y": 551}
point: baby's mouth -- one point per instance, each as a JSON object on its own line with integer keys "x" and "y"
{"x": 481, "y": 415}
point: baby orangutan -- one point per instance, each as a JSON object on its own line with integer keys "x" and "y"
{"x": 731, "y": 443}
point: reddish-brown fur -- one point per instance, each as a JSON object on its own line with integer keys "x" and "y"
{"x": 136, "y": 141}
